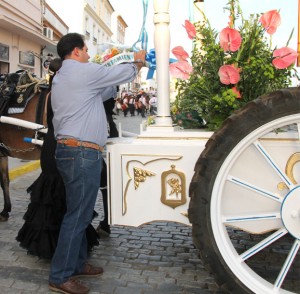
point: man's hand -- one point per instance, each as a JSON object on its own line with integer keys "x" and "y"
{"x": 139, "y": 58}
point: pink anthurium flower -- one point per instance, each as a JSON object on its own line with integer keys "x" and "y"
{"x": 237, "y": 92}
{"x": 181, "y": 70}
{"x": 180, "y": 53}
{"x": 229, "y": 74}
{"x": 190, "y": 29}
{"x": 230, "y": 39}
{"x": 284, "y": 57}
{"x": 270, "y": 21}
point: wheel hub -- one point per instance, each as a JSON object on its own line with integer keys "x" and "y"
{"x": 290, "y": 212}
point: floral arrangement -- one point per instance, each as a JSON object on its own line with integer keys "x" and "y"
{"x": 229, "y": 68}
{"x": 151, "y": 120}
{"x": 110, "y": 51}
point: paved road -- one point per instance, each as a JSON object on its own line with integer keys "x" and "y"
{"x": 129, "y": 123}
{"x": 155, "y": 258}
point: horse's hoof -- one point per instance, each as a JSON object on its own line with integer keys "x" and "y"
{"x": 3, "y": 218}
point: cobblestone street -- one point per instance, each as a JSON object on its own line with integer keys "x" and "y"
{"x": 155, "y": 258}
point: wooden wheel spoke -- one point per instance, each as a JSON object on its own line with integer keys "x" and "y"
{"x": 263, "y": 244}
{"x": 254, "y": 188}
{"x": 273, "y": 164}
{"x": 287, "y": 264}
{"x": 250, "y": 217}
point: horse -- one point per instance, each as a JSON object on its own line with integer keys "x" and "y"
{"x": 22, "y": 96}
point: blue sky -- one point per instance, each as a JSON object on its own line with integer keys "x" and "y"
{"x": 132, "y": 12}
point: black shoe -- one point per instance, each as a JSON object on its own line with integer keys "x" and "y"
{"x": 103, "y": 230}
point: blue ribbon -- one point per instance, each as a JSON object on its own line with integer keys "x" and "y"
{"x": 143, "y": 37}
{"x": 151, "y": 63}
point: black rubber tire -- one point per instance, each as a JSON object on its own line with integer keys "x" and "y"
{"x": 255, "y": 114}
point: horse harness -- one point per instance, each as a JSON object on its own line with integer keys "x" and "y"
{"x": 16, "y": 90}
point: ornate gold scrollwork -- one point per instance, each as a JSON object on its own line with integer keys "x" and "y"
{"x": 185, "y": 213}
{"x": 289, "y": 170}
{"x": 176, "y": 182}
{"x": 156, "y": 158}
{"x": 139, "y": 175}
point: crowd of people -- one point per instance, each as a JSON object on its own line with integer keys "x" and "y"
{"x": 137, "y": 103}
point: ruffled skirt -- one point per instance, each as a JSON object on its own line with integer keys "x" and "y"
{"x": 44, "y": 215}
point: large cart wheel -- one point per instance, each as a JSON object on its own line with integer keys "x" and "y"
{"x": 245, "y": 198}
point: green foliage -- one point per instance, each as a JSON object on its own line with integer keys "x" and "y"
{"x": 204, "y": 93}
{"x": 190, "y": 119}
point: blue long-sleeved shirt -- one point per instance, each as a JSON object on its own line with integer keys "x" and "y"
{"x": 78, "y": 92}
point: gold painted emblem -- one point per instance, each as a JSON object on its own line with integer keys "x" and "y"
{"x": 173, "y": 187}
{"x": 140, "y": 175}
{"x": 289, "y": 170}
{"x": 20, "y": 98}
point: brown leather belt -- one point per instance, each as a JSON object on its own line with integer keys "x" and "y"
{"x": 76, "y": 143}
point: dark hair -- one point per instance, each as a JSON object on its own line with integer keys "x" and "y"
{"x": 54, "y": 66}
{"x": 68, "y": 42}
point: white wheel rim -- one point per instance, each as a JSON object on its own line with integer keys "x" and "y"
{"x": 219, "y": 212}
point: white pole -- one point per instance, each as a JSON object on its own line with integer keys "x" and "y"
{"x": 162, "y": 52}
{"x": 23, "y": 123}
{"x": 33, "y": 141}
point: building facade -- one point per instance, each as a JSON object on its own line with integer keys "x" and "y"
{"x": 120, "y": 29}
{"x": 27, "y": 37}
{"x": 30, "y": 30}
{"x": 91, "y": 18}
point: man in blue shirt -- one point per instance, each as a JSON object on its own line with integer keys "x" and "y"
{"x": 78, "y": 91}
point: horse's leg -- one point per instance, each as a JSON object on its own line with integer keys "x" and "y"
{"x": 4, "y": 181}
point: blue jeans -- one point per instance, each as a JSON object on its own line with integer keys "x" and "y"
{"x": 80, "y": 169}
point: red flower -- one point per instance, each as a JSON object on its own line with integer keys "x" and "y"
{"x": 106, "y": 57}
{"x": 229, "y": 74}
{"x": 284, "y": 57}
{"x": 230, "y": 39}
{"x": 181, "y": 70}
{"x": 180, "y": 53}
{"x": 270, "y": 21}
{"x": 237, "y": 92}
{"x": 190, "y": 29}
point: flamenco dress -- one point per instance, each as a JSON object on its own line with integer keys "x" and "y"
{"x": 45, "y": 212}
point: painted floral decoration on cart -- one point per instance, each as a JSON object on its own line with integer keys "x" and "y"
{"x": 230, "y": 68}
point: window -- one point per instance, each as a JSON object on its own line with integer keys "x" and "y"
{"x": 4, "y": 52}
{"x": 26, "y": 58}
{"x": 87, "y": 32}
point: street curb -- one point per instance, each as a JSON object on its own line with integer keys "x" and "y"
{"x": 21, "y": 170}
